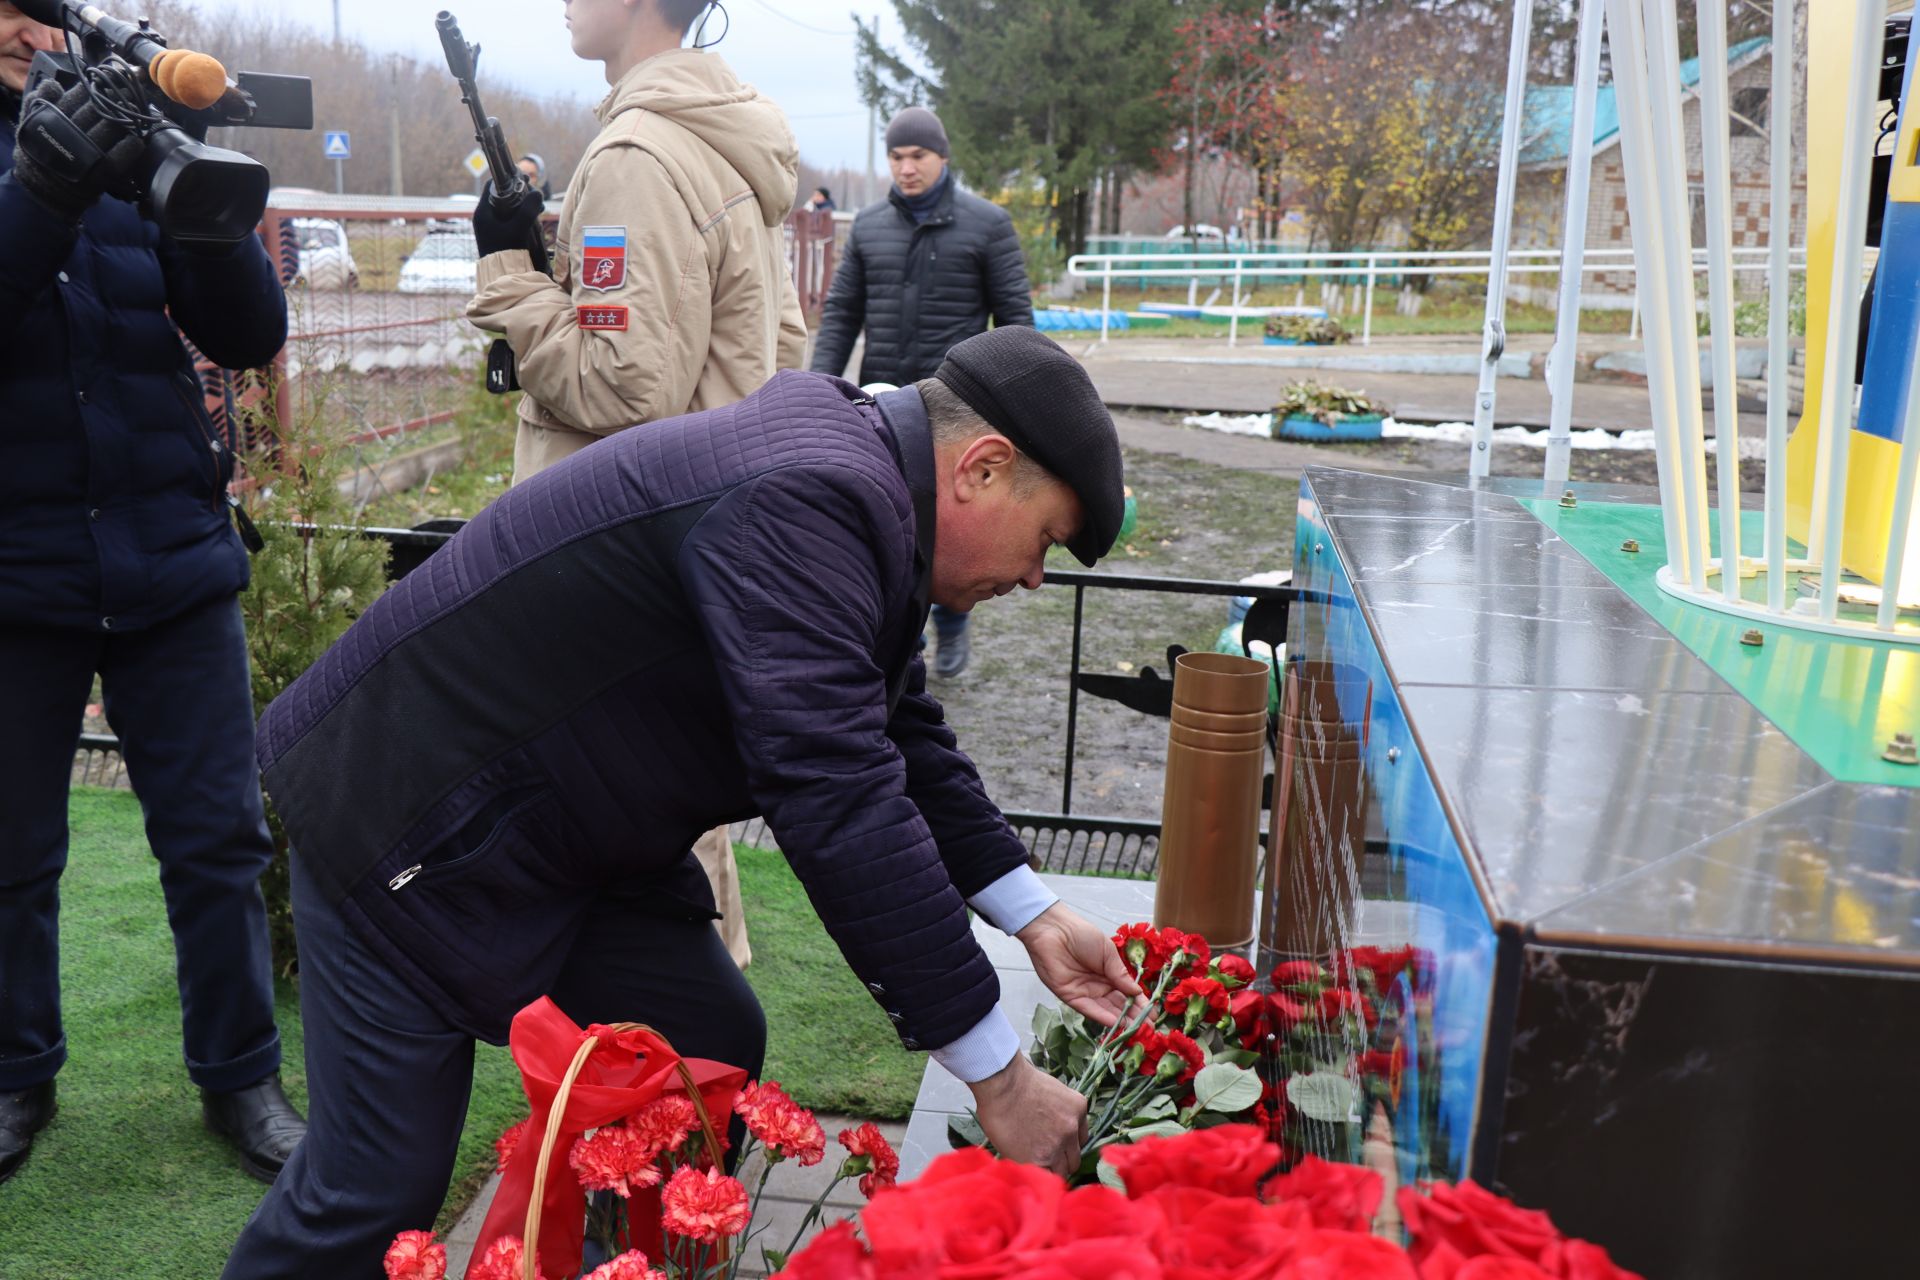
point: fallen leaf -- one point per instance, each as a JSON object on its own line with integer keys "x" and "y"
{"x": 1124, "y": 666}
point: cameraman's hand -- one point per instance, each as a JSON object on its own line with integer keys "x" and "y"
{"x": 497, "y": 232}
{"x": 67, "y": 152}
{"x": 1031, "y": 1117}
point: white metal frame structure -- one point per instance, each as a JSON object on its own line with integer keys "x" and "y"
{"x": 1645, "y": 58}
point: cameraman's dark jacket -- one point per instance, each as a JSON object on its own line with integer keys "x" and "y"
{"x": 678, "y": 627}
{"x": 918, "y": 289}
{"x": 112, "y": 476}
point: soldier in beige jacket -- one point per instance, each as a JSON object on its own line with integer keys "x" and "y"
{"x": 670, "y": 291}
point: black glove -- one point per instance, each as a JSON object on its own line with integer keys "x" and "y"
{"x": 67, "y": 152}
{"x": 496, "y": 231}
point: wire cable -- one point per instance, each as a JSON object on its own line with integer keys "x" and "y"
{"x": 805, "y": 26}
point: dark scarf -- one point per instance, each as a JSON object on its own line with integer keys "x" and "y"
{"x": 921, "y": 207}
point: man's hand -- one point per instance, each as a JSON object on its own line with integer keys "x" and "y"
{"x": 1031, "y": 1117}
{"x": 497, "y": 231}
{"x": 68, "y": 152}
{"x": 1079, "y": 964}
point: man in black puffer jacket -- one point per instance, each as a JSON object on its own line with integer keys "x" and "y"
{"x": 925, "y": 268}
{"x": 118, "y": 558}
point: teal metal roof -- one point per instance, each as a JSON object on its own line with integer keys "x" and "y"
{"x": 1548, "y": 112}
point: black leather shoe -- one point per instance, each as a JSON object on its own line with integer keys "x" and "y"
{"x": 950, "y": 659}
{"x": 260, "y": 1124}
{"x": 23, "y": 1113}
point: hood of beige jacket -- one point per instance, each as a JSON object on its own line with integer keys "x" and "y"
{"x": 699, "y": 92}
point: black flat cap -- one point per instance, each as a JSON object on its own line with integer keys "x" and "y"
{"x": 1036, "y": 395}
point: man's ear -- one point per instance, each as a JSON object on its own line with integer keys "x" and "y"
{"x": 986, "y": 462}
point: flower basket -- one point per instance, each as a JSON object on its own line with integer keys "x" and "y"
{"x": 1344, "y": 426}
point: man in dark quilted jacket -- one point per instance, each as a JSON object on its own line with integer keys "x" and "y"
{"x": 118, "y": 558}
{"x": 712, "y": 618}
{"x": 927, "y": 267}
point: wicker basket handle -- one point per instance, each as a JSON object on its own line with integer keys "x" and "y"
{"x": 530, "y": 1251}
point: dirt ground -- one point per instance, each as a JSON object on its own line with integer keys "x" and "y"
{"x": 1009, "y": 707}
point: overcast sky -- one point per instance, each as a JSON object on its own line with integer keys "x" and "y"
{"x": 797, "y": 52}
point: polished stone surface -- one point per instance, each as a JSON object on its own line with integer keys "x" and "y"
{"x": 1462, "y": 549}
{"x": 1560, "y": 792}
{"x": 1835, "y": 872}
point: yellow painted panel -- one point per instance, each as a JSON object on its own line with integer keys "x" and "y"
{"x": 1905, "y": 187}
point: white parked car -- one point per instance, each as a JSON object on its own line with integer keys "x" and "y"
{"x": 326, "y": 259}
{"x": 446, "y": 261}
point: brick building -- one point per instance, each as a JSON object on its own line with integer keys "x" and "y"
{"x": 1540, "y": 198}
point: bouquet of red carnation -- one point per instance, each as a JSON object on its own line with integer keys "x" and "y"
{"x": 614, "y": 1125}
{"x": 1174, "y": 1063}
{"x": 1201, "y": 1205}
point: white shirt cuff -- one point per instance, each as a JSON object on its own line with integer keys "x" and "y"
{"x": 1014, "y": 901}
{"x": 982, "y": 1051}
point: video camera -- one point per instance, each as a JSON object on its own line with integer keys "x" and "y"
{"x": 194, "y": 191}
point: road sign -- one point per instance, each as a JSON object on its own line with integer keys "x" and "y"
{"x": 476, "y": 162}
{"x": 338, "y": 145}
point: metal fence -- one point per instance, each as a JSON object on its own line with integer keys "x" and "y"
{"x": 1363, "y": 273}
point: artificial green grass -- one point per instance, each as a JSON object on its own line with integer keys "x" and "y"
{"x": 125, "y": 1181}
{"x": 827, "y": 1041}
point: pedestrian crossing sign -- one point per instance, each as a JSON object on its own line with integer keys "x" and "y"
{"x": 338, "y": 146}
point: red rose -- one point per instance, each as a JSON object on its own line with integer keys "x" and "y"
{"x": 1473, "y": 1222}
{"x": 1299, "y": 973}
{"x": 1249, "y": 1009}
{"x": 1206, "y": 1235}
{"x": 1338, "y": 1001}
{"x": 1229, "y": 1159}
{"x": 1284, "y": 1014}
{"x": 1579, "y": 1260}
{"x": 1488, "y": 1267}
{"x": 1092, "y": 1260}
{"x": 1233, "y": 972}
{"x": 1382, "y": 964}
{"x": 834, "y": 1254}
{"x": 968, "y": 1217}
{"x": 1345, "y": 1255}
{"x": 1342, "y": 1197}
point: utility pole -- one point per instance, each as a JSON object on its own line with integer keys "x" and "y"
{"x": 336, "y": 21}
{"x": 393, "y": 119}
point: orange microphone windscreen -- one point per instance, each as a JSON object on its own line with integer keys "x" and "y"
{"x": 191, "y": 79}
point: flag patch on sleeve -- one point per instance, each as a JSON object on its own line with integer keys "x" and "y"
{"x": 604, "y": 258}
{"x": 603, "y": 318}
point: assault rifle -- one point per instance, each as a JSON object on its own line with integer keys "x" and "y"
{"x": 507, "y": 186}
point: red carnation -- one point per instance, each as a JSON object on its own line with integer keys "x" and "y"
{"x": 1210, "y": 995}
{"x": 1180, "y": 1048}
{"x": 1381, "y": 964}
{"x": 1139, "y": 945}
{"x": 1191, "y": 948}
{"x": 786, "y": 1127}
{"x": 631, "y": 1265}
{"x": 664, "y": 1123}
{"x": 613, "y": 1159}
{"x": 704, "y": 1204}
{"x": 415, "y": 1255}
{"x": 1284, "y": 1013}
{"x": 1249, "y": 1018}
{"x": 1233, "y": 971}
{"x": 871, "y": 1156}
{"x": 501, "y": 1261}
{"x": 505, "y": 1144}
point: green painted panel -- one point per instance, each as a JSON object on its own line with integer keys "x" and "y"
{"x": 1841, "y": 700}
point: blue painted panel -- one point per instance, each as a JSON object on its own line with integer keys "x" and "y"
{"x": 1410, "y": 885}
{"x": 1896, "y": 300}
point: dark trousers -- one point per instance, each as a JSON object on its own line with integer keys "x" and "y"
{"x": 388, "y": 1079}
{"x": 178, "y": 696}
{"x": 947, "y": 624}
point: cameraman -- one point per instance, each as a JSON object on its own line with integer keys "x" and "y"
{"x": 117, "y": 558}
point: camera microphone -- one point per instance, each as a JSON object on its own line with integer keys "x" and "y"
{"x": 194, "y": 80}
